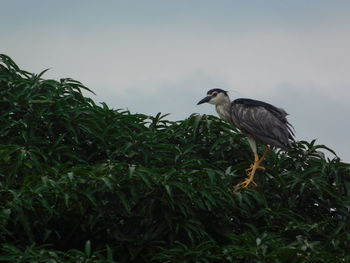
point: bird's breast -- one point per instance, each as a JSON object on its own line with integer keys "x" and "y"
{"x": 223, "y": 112}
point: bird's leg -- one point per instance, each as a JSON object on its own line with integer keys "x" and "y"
{"x": 252, "y": 169}
{"x": 259, "y": 161}
{"x": 251, "y": 172}
{"x": 256, "y": 163}
{"x": 263, "y": 157}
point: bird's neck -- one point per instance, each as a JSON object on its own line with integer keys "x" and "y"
{"x": 224, "y": 109}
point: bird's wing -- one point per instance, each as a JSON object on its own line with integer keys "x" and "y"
{"x": 262, "y": 121}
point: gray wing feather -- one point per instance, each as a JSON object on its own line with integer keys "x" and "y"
{"x": 263, "y": 122}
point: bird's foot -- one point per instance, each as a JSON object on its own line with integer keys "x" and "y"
{"x": 246, "y": 182}
{"x": 250, "y": 175}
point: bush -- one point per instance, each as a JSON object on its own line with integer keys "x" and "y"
{"x": 81, "y": 182}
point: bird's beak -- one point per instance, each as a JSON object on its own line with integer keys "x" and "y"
{"x": 206, "y": 99}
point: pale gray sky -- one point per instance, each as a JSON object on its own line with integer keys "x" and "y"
{"x": 150, "y": 56}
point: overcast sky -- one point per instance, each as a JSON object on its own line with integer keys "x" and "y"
{"x": 162, "y": 56}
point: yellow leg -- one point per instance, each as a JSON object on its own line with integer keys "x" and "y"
{"x": 252, "y": 169}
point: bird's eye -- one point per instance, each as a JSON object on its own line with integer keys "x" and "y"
{"x": 214, "y": 94}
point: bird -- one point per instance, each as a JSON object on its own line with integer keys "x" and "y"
{"x": 261, "y": 122}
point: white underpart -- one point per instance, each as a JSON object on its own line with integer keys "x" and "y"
{"x": 222, "y": 105}
{"x": 252, "y": 144}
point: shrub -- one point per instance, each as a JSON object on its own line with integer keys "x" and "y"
{"x": 81, "y": 182}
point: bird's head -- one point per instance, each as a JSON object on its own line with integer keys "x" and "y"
{"x": 216, "y": 97}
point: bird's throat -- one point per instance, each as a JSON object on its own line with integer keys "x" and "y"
{"x": 223, "y": 110}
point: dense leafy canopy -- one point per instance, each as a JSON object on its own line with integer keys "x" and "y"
{"x": 81, "y": 182}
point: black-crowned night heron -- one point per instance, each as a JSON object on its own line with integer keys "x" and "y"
{"x": 260, "y": 121}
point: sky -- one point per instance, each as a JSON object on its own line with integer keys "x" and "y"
{"x": 155, "y": 56}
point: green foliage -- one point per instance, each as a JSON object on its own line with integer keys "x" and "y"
{"x": 81, "y": 182}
